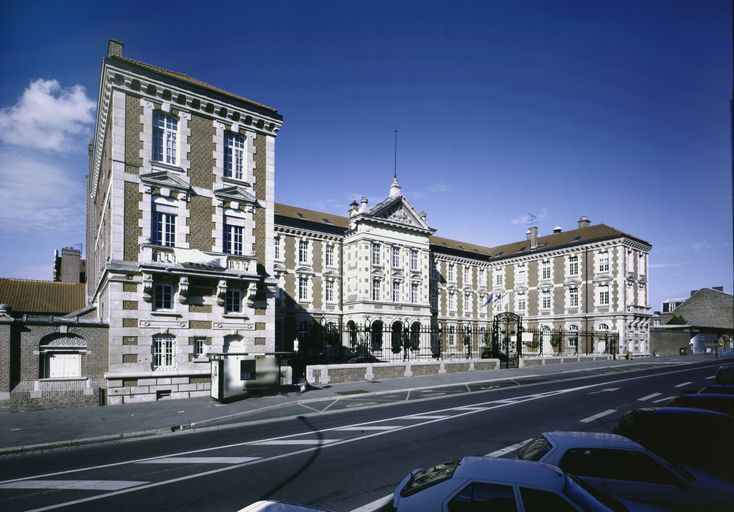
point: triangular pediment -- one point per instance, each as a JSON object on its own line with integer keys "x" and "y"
{"x": 166, "y": 179}
{"x": 400, "y": 211}
{"x": 236, "y": 193}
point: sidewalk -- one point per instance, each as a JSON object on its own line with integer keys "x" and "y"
{"x": 38, "y": 430}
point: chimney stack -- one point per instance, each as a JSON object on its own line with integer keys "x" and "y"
{"x": 70, "y": 265}
{"x": 533, "y": 236}
{"x": 363, "y": 205}
{"x": 584, "y": 222}
{"x": 353, "y": 208}
{"x": 114, "y": 48}
{"x": 557, "y": 229}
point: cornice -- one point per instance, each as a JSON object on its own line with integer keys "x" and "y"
{"x": 319, "y": 235}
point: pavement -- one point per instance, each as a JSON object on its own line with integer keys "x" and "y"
{"x": 23, "y": 432}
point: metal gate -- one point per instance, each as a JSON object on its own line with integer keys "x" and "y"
{"x": 507, "y": 339}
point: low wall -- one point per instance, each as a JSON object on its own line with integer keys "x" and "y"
{"x": 539, "y": 361}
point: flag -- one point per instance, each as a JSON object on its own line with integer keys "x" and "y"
{"x": 489, "y": 300}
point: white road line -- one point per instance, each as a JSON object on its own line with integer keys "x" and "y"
{"x": 662, "y": 399}
{"x": 470, "y": 408}
{"x": 73, "y": 485}
{"x": 374, "y": 505}
{"x": 682, "y": 384}
{"x": 711, "y": 377}
{"x": 368, "y": 427}
{"x": 426, "y": 417}
{"x": 599, "y": 415}
{"x": 507, "y": 449}
{"x": 200, "y": 460}
{"x": 648, "y": 397}
{"x": 294, "y": 442}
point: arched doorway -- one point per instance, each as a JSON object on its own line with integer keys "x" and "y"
{"x": 396, "y": 337}
{"x": 376, "y": 335}
{"x": 600, "y": 344}
{"x": 415, "y": 336}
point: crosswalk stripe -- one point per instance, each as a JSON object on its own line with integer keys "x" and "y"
{"x": 662, "y": 399}
{"x": 470, "y": 408}
{"x": 200, "y": 460}
{"x": 597, "y": 416}
{"x": 648, "y": 397}
{"x": 682, "y": 384}
{"x": 294, "y": 442}
{"x": 73, "y": 485}
{"x": 426, "y": 417}
{"x": 368, "y": 427}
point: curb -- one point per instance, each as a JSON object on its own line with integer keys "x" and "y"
{"x": 39, "y": 447}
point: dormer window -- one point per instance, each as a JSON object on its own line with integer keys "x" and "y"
{"x": 234, "y": 155}
{"x": 165, "y": 135}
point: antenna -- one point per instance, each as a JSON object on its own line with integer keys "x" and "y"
{"x": 395, "y": 163}
{"x": 531, "y": 219}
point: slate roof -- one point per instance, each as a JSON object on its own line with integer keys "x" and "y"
{"x": 708, "y": 308}
{"x": 311, "y": 219}
{"x": 30, "y": 296}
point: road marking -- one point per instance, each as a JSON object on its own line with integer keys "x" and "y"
{"x": 368, "y": 427}
{"x": 470, "y": 408}
{"x": 711, "y": 377}
{"x": 648, "y": 397}
{"x": 662, "y": 399}
{"x": 605, "y": 390}
{"x": 375, "y": 505}
{"x": 294, "y": 442}
{"x": 73, "y": 485}
{"x": 507, "y": 449}
{"x": 682, "y": 384}
{"x": 200, "y": 460}
{"x": 426, "y": 417}
{"x": 599, "y": 415}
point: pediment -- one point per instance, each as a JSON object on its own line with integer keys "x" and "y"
{"x": 400, "y": 211}
{"x": 165, "y": 179}
{"x": 236, "y": 193}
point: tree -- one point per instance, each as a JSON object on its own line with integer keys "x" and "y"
{"x": 677, "y": 320}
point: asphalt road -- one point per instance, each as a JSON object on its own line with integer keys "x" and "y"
{"x": 339, "y": 459}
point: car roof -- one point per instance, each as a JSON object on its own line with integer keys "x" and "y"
{"x": 591, "y": 440}
{"x": 729, "y": 366}
{"x": 511, "y": 471}
{"x": 676, "y": 411}
{"x": 706, "y": 396}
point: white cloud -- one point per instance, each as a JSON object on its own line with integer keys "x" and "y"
{"x": 48, "y": 117}
{"x": 667, "y": 265}
{"x": 528, "y": 217}
{"x": 37, "y": 196}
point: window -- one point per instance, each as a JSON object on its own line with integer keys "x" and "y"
{"x": 521, "y": 277}
{"x": 452, "y": 300}
{"x": 165, "y": 128}
{"x": 396, "y": 291}
{"x": 396, "y": 256}
{"x": 302, "y": 288}
{"x": 482, "y": 277}
{"x": 276, "y": 247}
{"x": 499, "y": 278}
{"x": 573, "y": 341}
{"x": 546, "y": 271}
{"x": 414, "y": 293}
{"x": 199, "y": 346}
{"x": 604, "y": 295}
{"x": 536, "y": 500}
{"x": 413, "y": 259}
{"x": 467, "y": 304}
{"x": 234, "y": 152}
{"x": 481, "y": 496}
{"x": 162, "y": 297}
{"x": 452, "y": 275}
{"x": 375, "y": 289}
{"x": 303, "y": 251}
{"x": 164, "y": 229}
{"x": 467, "y": 275}
{"x": 573, "y": 265}
{"x": 546, "y": 298}
{"x": 329, "y": 291}
{"x": 521, "y": 302}
{"x": 162, "y": 351}
{"x": 604, "y": 262}
{"x": 616, "y": 465}
{"x": 59, "y": 365}
{"x": 573, "y": 297}
{"x": 452, "y": 335}
{"x": 329, "y": 255}
{"x": 233, "y": 239}
{"x": 233, "y": 301}
{"x": 375, "y": 254}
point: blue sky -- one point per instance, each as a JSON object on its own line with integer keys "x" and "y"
{"x": 618, "y": 110}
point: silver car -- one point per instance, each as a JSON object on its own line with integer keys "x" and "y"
{"x": 625, "y": 469}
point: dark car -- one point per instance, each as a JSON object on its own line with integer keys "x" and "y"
{"x": 725, "y": 374}
{"x": 710, "y": 401}
{"x": 721, "y": 389}
{"x": 696, "y": 437}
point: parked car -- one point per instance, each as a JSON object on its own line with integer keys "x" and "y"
{"x": 710, "y": 401}
{"x": 696, "y": 437}
{"x": 623, "y": 468}
{"x": 726, "y": 389}
{"x": 725, "y": 374}
{"x": 504, "y": 485}
{"x": 278, "y": 506}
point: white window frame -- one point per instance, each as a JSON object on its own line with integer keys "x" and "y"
{"x": 545, "y": 299}
{"x": 604, "y": 261}
{"x": 452, "y": 335}
{"x": 452, "y": 273}
{"x": 163, "y": 297}
{"x": 302, "y": 288}
{"x": 375, "y": 289}
{"x": 467, "y": 304}
{"x": 199, "y": 346}
{"x": 414, "y": 293}
{"x": 396, "y": 291}
{"x": 521, "y": 275}
{"x": 395, "y": 259}
{"x": 545, "y": 270}
{"x": 452, "y": 300}
{"x": 521, "y": 302}
{"x": 376, "y": 259}
{"x": 62, "y": 365}
{"x": 467, "y": 275}
{"x": 164, "y": 228}
{"x": 413, "y": 259}
{"x": 573, "y": 265}
{"x": 276, "y": 247}
{"x": 499, "y": 278}
{"x": 329, "y": 255}
{"x": 165, "y": 138}
{"x": 329, "y": 291}
{"x": 604, "y": 295}
{"x": 233, "y": 299}
{"x": 163, "y": 351}
{"x": 573, "y": 297}
{"x": 234, "y": 239}
{"x": 303, "y": 251}
{"x": 234, "y": 155}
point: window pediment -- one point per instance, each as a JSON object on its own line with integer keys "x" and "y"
{"x": 236, "y": 193}
{"x": 165, "y": 179}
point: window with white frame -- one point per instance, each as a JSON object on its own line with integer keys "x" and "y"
{"x": 452, "y": 335}
{"x": 499, "y": 278}
{"x": 234, "y": 155}
{"x": 165, "y": 132}
{"x": 162, "y": 351}
{"x": 376, "y": 253}
{"x": 467, "y": 275}
{"x": 573, "y": 340}
{"x": 545, "y": 299}
{"x": 59, "y": 365}
{"x": 573, "y": 297}
{"x": 482, "y": 300}
{"x": 521, "y": 302}
{"x": 482, "y": 277}
{"x": 162, "y": 297}
{"x": 329, "y": 291}
{"x": 233, "y": 241}
{"x": 303, "y": 251}
{"x": 573, "y": 265}
{"x": 603, "y": 262}
{"x": 164, "y": 228}
{"x": 395, "y": 257}
{"x": 452, "y": 273}
{"x": 545, "y": 270}
{"x": 521, "y": 275}
{"x": 452, "y": 300}
{"x": 467, "y": 304}
{"x": 375, "y": 289}
{"x": 276, "y": 247}
{"x": 199, "y": 346}
{"x": 413, "y": 259}
{"x": 396, "y": 291}
{"x": 414, "y": 293}
{"x": 604, "y": 295}
{"x": 233, "y": 301}
{"x": 329, "y": 255}
{"x": 302, "y": 287}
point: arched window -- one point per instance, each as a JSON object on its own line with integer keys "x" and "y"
{"x": 396, "y": 341}
{"x": 61, "y": 356}
{"x": 415, "y": 335}
{"x": 602, "y": 327}
{"x": 377, "y": 328}
{"x": 352, "y": 328}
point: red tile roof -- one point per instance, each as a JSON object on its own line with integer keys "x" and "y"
{"x": 30, "y": 296}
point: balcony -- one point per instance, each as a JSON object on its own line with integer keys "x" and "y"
{"x": 638, "y": 310}
{"x": 173, "y": 258}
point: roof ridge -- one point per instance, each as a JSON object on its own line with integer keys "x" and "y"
{"x": 25, "y": 280}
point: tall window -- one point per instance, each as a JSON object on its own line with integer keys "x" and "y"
{"x": 573, "y": 265}
{"x": 396, "y": 291}
{"x": 396, "y": 256}
{"x": 276, "y": 247}
{"x": 545, "y": 269}
{"x": 573, "y": 340}
{"x": 164, "y": 229}
{"x": 329, "y": 255}
{"x": 234, "y": 155}
{"x": 467, "y": 275}
{"x": 414, "y": 293}
{"x": 604, "y": 262}
{"x": 162, "y": 351}
{"x": 329, "y": 291}
{"x": 233, "y": 239}
{"x": 233, "y": 301}
{"x": 375, "y": 254}
{"x": 452, "y": 274}
{"x": 546, "y": 298}
{"x": 604, "y": 295}
{"x": 413, "y": 259}
{"x": 302, "y": 288}
{"x": 165, "y": 129}
{"x": 452, "y": 335}
{"x": 467, "y": 304}
{"x": 573, "y": 297}
{"x": 521, "y": 303}
{"x": 521, "y": 276}
{"x": 452, "y": 300}
{"x": 499, "y": 278}
{"x": 482, "y": 277}
{"x": 303, "y": 251}
{"x": 162, "y": 297}
{"x": 375, "y": 289}
{"x": 199, "y": 346}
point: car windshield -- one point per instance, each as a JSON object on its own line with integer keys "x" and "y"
{"x": 428, "y": 477}
{"x": 534, "y": 450}
{"x": 588, "y": 499}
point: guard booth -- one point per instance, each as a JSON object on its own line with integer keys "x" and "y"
{"x": 235, "y": 374}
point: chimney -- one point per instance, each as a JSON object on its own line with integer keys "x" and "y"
{"x": 71, "y": 265}
{"x": 533, "y": 236}
{"x": 718, "y": 288}
{"x": 557, "y": 229}
{"x": 363, "y": 205}
{"x": 353, "y": 208}
{"x": 114, "y": 48}
{"x": 584, "y": 222}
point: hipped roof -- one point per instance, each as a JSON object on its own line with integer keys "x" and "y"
{"x": 31, "y": 296}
